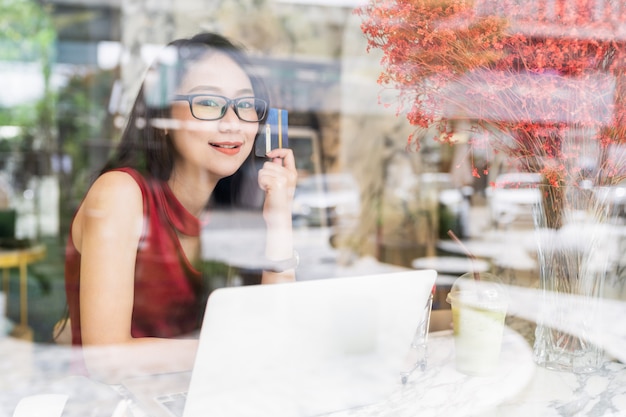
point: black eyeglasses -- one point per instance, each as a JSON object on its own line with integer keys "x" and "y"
{"x": 214, "y": 107}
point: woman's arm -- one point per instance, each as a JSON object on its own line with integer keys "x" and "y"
{"x": 278, "y": 179}
{"x": 106, "y": 232}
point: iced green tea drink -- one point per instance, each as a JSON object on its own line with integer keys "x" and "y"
{"x": 478, "y": 313}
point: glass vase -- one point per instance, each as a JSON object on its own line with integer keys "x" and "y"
{"x": 574, "y": 252}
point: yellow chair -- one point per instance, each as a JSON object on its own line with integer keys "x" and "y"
{"x": 20, "y": 258}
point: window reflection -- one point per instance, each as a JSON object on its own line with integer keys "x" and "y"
{"x": 367, "y": 199}
{"x": 70, "y": 68}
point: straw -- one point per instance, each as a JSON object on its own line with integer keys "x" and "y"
{"x": 469, "y": 254}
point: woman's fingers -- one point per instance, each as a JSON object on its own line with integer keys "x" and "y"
{"x": 284, "y": 157}
{"x": 278, "y": 179}
{"x": 280, "y": 171}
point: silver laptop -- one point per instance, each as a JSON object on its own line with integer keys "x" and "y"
{"x": 302, "y": 349}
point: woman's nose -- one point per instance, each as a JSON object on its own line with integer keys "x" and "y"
{"x": 230, "y": 121}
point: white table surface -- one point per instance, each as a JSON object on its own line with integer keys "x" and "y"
{"x": 519, "y": 388}
{"x": 450, "y": 265}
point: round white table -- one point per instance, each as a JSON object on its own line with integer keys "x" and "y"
{"x": 451, "y": 265}
{"x": 448, "y": 269}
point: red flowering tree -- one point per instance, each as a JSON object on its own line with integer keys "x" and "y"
{"x": 544, "y": 80}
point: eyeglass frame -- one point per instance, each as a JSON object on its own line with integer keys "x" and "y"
{"x": 230, "y": 102}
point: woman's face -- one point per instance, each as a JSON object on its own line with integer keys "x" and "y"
{"x": 217, "y": 147}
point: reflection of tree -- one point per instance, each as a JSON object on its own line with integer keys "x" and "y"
{"x": 82, "y": 118}
{"x": 532, "y": 78}
{"x": 27, "y": 35}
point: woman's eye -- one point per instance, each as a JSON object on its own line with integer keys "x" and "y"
{"x": 207, "y": 102}
{"x": 245, "y": 105}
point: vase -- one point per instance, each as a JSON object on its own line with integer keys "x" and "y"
{"x": 574, "y": 251}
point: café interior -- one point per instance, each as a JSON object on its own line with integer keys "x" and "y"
{"x": 433, "y": 276}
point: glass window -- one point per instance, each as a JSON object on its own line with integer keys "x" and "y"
{"x": 423, "y": 132}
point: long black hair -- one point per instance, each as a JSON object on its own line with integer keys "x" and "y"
{"x": 146, "y": 146}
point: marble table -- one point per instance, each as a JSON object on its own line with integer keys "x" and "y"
{"x": 518, "y": 388}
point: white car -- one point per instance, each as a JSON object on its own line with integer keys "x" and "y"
{"x": 512, "y": 197}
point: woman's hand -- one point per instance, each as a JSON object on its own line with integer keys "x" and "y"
{"x": 278, "y": 179}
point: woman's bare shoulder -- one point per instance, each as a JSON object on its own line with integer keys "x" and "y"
{"x": 113, "y": 203}
{"x": 114, "y": 185}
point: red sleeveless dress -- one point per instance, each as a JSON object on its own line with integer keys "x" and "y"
{"x": 168, "y": 301}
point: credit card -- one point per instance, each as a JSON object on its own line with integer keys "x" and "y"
{"x": 275, "y": 135}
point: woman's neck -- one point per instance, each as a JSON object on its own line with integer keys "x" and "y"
{"x": 193, "y": 193}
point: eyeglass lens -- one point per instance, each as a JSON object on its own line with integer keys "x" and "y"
{"x": 210, "y": 107}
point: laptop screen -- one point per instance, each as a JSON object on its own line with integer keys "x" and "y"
{"x": 306, "y": 348}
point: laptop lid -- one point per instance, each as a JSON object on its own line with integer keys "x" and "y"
{"x": 306, "y": 348}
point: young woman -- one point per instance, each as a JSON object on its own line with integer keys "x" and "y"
{"x": 132, "y": 257}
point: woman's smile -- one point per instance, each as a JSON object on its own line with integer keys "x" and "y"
{"x": 228, "y": 148}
